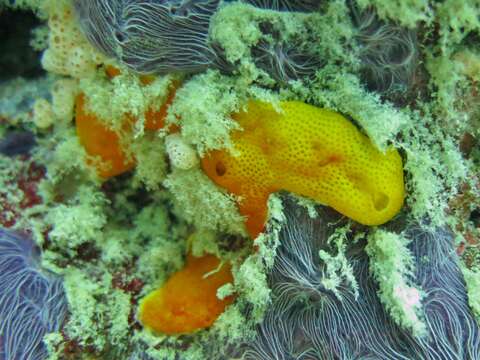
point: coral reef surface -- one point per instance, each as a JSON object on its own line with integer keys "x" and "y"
{"x": 136, "y": 134}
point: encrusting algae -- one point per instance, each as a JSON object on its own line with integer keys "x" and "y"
{"x": 310, "y": 152}
{"x": 188, "y": 301}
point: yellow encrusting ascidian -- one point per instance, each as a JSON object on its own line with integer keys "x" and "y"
{"x": 310, "y": 152}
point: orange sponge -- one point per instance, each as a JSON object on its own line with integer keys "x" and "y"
{"x": 98, "y": 140}
{"x": 311, "y": 152}
{"x": 154, "y": 119}
{"x": 188, "y": 300}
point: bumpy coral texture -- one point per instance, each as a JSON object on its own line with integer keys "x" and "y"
{"x": 188, "y": 300}
{"x": 68, "y": 52}
{"x": 32, "y": 302}
{"x": 309, "y": 321}
{"x": 311, "y": 152}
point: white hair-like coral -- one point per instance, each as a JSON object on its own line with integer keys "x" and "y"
{"x": 32, "y": 302}
{"x": 308, "y": 321}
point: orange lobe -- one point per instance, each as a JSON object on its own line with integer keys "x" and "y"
{"x": 188, "y": 301}
{"x": 100, "y": 141}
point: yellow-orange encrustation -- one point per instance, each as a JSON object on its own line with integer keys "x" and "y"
{"x": 100, "y": 141}
{"x": 312, "y": 152}
{"x": 188, "y": 301}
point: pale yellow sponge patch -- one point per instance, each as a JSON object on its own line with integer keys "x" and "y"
{"x": 311, "y": 152}
{"x": 64, "y": 92}
{"x": 68, "y": 52}
{"x": 43, "y": 115}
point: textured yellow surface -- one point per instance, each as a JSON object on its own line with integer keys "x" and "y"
{"x": 311, "y": 152}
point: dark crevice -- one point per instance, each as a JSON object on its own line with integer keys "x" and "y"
{"x": 17, "y": 57}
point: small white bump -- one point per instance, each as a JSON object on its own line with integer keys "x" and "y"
{"x": 181, "y": 154}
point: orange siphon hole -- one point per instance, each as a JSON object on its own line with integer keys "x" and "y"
{"x": 220, "y": 169}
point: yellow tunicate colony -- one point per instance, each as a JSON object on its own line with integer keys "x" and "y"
{"x": 311, "y": 152}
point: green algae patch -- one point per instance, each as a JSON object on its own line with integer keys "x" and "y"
{"x": 242, "y": 32}
{"x": 338, "y": 270}
{"x": 408, "y": 13}
{"x": 78, "y": 221}
{"x": 207, "y": 207}
{"x": 392, "y": 265}
{"x": 151, "y": 168}
{"x": 235, "y": 28}
{"x": 202, "y": 108}
{"x": 98, "y": 313}
{"x": 126, "y": 95}
{"x": 472, "y": 280}
{"x": 457, "y": 19}
{"x": 10, "y": 194}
